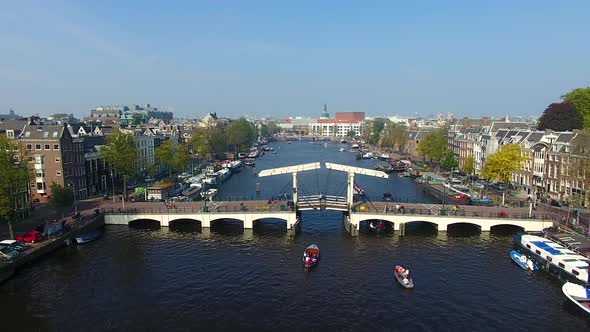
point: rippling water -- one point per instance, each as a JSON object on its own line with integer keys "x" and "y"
{"x": 182, "y": 279}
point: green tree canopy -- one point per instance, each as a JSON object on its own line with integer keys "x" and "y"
{"x": 209, "y": 140}
{"x": 394, "y": 136}
{"x": 137, "y": 119}
{"x": 14, "y": 180}
{"x": 173, "y": 155}
{"x": 468, "y": 165}
{"x": 449, "y": 162}
{"x": 580, "y": 98}
{"x": 121, "y": 153}
{"x": 351, "y": 133}
{"x": 501, "y": 165}
{"x": 434, "y": 145}
{"x": 61, "y": 197}
{"x": 240, "y": 133}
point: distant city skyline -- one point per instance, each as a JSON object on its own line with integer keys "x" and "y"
{"x": 267, "y": 59}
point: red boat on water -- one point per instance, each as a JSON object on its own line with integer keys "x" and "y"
{"x": 311, "y": 255}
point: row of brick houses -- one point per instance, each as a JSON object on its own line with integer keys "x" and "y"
{"x": 547, "y": 169}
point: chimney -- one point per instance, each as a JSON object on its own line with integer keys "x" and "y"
{"x": 485, "y": 121}
{"x": 465, "y": 122}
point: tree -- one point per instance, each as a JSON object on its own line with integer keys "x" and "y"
{"x": 449, "y": 161}
{"x": 14, "y": 180}
{"x": 350, "y": 134}
{"x": 560, "y": 117}
{"x": 394, "y": 136}
{"x": 468, "y": 165}
{"x": 137, "y": 119}
{"x": 121, "y": 153}
{"x": 501, "y": 165}
{"x": 209, "y": 140}
{"x": 580, "y": 98}
{"x": 240, "y": 133}
{"x": 61, "y": 197}
{"x": 173, "y": 155}
{"x": 434, "y": 145}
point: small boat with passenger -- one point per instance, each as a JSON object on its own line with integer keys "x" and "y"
{"x": 311, "y": 255}
{"x": 88, "y": 236}
{"x": 523, "y": 261}
{"x": 402, "y": 275}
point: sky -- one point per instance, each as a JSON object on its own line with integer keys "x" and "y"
{"x": 287, "y": 58}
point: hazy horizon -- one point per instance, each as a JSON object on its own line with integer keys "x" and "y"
{"x": 261, "y": 58}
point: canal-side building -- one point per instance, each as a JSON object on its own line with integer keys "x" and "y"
{"x": 56, "y": 157}
{"x": 339, "y": 126}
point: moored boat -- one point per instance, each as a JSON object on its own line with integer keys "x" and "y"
{"x": 249, "y": 161}
{"x": 209, "y": 194}
{"x": 402, "y": 275}
{"x": 579, "y": 295}
{"x": 311, "y": 255}
{"x": 523, "y": 261}
{"x": 88, "y": 236}
{"x": 342, "y": 149}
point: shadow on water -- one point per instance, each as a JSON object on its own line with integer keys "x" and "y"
{"x": 376, "y": 227}
{"x": 270, "y": 227}
{"x": 424, "y": 228}
{"x": 229, "y": 227}
{"x": 185, "y": 226}
{"x": 506, "y": 230}
{"x": 145, "y": 224}
{"x": 463, "y": 230}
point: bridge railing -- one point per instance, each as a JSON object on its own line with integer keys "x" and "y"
{"x": 457, "y": 213}
{"x": 208, "y": 209}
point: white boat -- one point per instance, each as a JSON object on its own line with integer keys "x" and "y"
{"x": 368, "y": 155}
{"x": 209, "y": 193}
{"x": 354, "y": 146}
{"x": 88, "y": 236}
{"x": 579, "y": 295}
{"x": 342, "y": 149}
{"x": 223, "y": 174}
{"x": 326, "y": 145}
{"x": 554, "y": 257}
{"x": 253, "y": 154}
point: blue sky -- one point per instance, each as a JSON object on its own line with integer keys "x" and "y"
{"x": 280, "y": 58}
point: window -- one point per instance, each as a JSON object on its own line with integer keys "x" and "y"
{"x": 37, "y": 146}
{"x": 538, "y": 252}
{"x": 561, "y": 265}
{"x": 57, "y": 159}
{"x": 549, "y": 259}
{"x": 29, "y": 147}
{"x": 47, "y": 147}
{"x": 55, "y": 146}
{"x": 39, "y": 185}
{"x": 575, "y": 272}
{"x": 58, "y": 173}
{"x": 528, "y": 246}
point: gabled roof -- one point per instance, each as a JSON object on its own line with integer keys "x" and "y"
{"x": 51, "y": 132}
{"x": 565, "y": 137}
{"x": 535, "y": 136}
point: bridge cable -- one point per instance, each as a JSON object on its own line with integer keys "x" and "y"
{"x": 363, "y": 194}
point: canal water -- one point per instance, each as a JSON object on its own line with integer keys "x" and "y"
{"x": 181, "y": 279}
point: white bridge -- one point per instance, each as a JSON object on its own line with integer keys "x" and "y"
{"x": 292, "y": 214}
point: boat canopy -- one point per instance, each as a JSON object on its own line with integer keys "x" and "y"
{"x": 312, "y": 251}
{"x": 546, "y": 247}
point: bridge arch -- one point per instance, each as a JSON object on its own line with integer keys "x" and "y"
{"x": 507, "y": 229}
{"x": 227, "y": 225}
{"x": 270, "y": 225}
{"x": 145, "y": 223}
{"x": 366, "y": 225}
{"x": 185, "y": 225}
{"x": 420, "y": 227}
{"x": 463, "y": 228}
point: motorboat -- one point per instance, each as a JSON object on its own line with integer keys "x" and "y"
{"x": 354, "y": 146}
{"x": 274, "y": 152}
{"x": 368, "y": 155}
{"x": 266, "y": 148}
{"x": 253, "y": 154}
{"x": 377, "y": 226}
{"x": 209, "y": 194}
{"x": 88, "y": 236}
{"x": 223, "y": 174}
{"x": 523, "y": 261}
{"x": 555, "y": 258}
{"x": 311, "y": 255}
{"x": 242, "y": 155}
{"x": 249, "y": 161}
{"x": 342, "y": 149}
{"x": 578, "y": 294}
{"x": 402, "y": 275}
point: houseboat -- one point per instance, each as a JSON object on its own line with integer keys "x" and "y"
{"x": 354, "y": 146}
{"x": 555, "y": 258}
{"x": 159, "y": 191}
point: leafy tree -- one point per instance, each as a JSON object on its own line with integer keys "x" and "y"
{"x": 469, "y": 165}
{"x": 449, "y": 161}
{"x": 501, "y": 165}
{"x": 394, "y": 135}
{"x": 580, "y": 98}
{"x": 121, "y": 153}
{"x": 350, "y": 134}
{"x": 560, "y": 117}
{"x": 61, "y": 197}
{"x": 376, "y": 129}
{"x": 209, "y": 140}
{"x": 137, "y": 119}
{"x": 240, "y": 133}
{"x": 14, "y": 180}
{"x": 434, "y": 145}
{"x": 175, "y": 156}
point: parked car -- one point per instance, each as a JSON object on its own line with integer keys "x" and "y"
{"x": 7, "y": 253}
{"x": 30, "y": 237}
{"x": 14, "y": 244}
{"x": 556, "y": 203}
{"x": 478, "y": 185}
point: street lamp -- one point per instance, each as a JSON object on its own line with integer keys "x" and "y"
{"x": 73, "y": 187}
{"x": 113, "y": 182}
